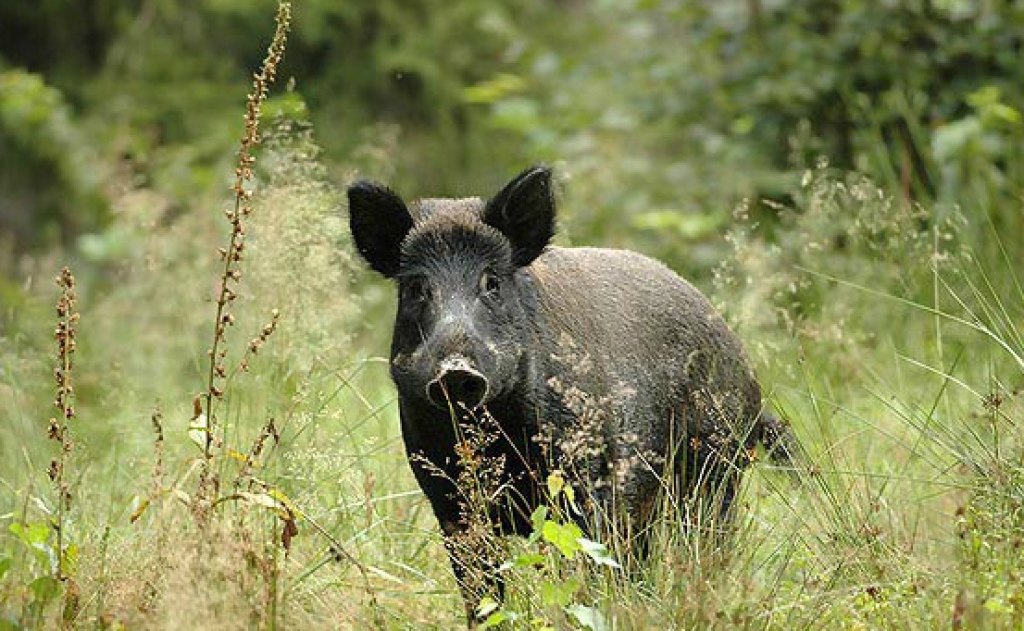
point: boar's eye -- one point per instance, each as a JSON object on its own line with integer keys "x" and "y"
{"x": 416, "y": 289}
{"x": 489, "y": 284}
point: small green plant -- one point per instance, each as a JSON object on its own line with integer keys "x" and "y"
{"x": 552, "y": 566}
{"x": 43, "y": 554}
{"x": 33, "y": 560}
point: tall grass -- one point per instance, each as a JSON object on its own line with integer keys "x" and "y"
{"x": 885, "y": 332}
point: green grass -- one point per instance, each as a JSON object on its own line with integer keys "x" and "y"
{"x": 906, "y": 514}
{"x": 887, "y": 334}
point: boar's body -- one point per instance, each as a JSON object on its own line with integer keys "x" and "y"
{"x": 600, "y": 363}
{"x": 665, "y": 368}
{"x": 628, "y": 374}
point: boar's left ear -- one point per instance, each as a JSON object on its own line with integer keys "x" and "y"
{"x": 524, "y": 211}
{"x": 379, "y": 221}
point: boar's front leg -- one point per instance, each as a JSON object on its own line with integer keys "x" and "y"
{"x": 474, "y": 569}
{"x": 468, "y": 539}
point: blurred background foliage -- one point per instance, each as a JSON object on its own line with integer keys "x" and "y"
{"x": 672, "y": 124}
{"x": 662, "y": 113}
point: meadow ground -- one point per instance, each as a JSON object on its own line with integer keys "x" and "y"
{"x": 894, "y": 354}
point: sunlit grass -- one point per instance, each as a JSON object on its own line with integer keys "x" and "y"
{"x": 904, "y": 513}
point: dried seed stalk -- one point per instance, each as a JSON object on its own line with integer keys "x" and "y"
{"x": 233, "y": 254}
{"x": 67, "y": 320}
{"x": 158, "y": 452}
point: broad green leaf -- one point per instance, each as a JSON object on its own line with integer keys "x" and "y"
{"x": 528, "y": 560}
{"x": 198, "y": 428}
{"x": 997, "y": 605}
{"x": 555, "y": 484}
{"x": 44, "y": 589}
{"x": 598, "y": 552}
{"x": 537, "y": 519}
{"x": 486, "y": 607}
{"x": 563, "y": 536}
{"x": 31, "y": 534}
{"x": 497, "y": 618}
{"x": 493, "y": 90}
{"x": 558, "y": 594}
{"x": 71, "y": 559}
{"x": 588, "y": 617}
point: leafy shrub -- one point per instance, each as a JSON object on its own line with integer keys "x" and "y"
{"x": 51, "y": 192}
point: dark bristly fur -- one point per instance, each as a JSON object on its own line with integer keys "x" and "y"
{"x": 601, "y": 363}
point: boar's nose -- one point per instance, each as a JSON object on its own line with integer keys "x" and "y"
{"x": 457, "y": 384}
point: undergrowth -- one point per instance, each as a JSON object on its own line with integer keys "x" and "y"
{"x": 884, "y": 331}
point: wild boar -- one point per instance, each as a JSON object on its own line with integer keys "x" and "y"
{"x": 602, "y": 364}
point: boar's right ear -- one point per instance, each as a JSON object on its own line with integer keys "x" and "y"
{"x": 379, "y": 221}
{"x": 524, "y": 211}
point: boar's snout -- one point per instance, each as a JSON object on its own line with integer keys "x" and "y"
{"x": 457, "y": 384}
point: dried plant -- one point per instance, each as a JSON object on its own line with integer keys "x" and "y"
{"x": 257, "y": 342}
{"x": 233, "y": 254}
{"x": 205, "y": 428}
{"x": 251, "y": 459}
{"x": 157, "y": 489}
{"x": 58, "y": 431}
{"x": 67, "y": 320}
{"x": 485, "y": 490}
{"x": 158, "y": 452}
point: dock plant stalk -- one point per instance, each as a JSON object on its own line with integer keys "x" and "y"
{"x": 233, "y": 254}
{"x": 67, "y": 320}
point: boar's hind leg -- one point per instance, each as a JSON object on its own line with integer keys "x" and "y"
{"x": 710, "y": 475}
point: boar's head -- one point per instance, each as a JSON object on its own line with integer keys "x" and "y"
{"x": 462, "y": 325}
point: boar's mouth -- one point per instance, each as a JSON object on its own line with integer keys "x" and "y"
{"x": 457, "y": 384}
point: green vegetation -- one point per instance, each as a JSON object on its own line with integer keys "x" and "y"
{"x": 844, "y": 179}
